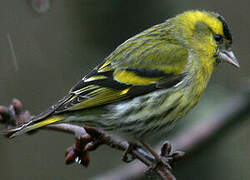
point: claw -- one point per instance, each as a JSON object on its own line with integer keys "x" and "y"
{"x": 168, "y": 154}
{"x": 125, "y": 154}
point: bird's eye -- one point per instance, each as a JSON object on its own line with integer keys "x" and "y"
{"x": 218, "y": 38}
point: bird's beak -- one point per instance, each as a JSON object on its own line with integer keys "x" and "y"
{"x": 229, "y": 57}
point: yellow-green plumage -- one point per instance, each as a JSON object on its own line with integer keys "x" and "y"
{"x": 149, "y": 81}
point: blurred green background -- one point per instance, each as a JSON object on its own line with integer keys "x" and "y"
{"x": 56, "y": 47}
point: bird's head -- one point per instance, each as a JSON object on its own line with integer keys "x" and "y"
{"x": 206, "y": 33}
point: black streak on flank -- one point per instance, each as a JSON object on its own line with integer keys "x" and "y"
{"x": 146, "y": 73}
{"x": 226, "y": 30}
{"x": 170, "y": 110}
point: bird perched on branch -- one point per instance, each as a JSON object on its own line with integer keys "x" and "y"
{"x": 149, "y": 81}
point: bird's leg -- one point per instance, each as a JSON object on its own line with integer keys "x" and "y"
{"x": 166, "y": 157}
{"x": 150, "y": 149}
{"x": 157, "y": 157}
{"x": 131, "y": 146}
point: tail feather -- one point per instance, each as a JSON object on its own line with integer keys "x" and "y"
{"x": 9, "y": 132}
{"x": 32, "y": 125}
{"x": 43, "y": 119}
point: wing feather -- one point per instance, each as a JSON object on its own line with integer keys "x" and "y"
{"x": 117, "y": 79}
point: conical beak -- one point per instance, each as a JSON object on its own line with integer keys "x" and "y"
{"x": 229, "y": 57}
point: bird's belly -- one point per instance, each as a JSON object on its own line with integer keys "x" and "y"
{"x": 149, "y": 114}
{"x": 155, "y": 113}
{"x": 140, "y": 117}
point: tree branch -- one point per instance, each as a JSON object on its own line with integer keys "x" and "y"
{"x": 237, "y": 107}
{"x": 87, "y": 139}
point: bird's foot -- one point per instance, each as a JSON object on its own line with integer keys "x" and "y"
{"x": 170, "y": 156}
{"x": 167, "y": 156}
{"x": 79, "y": 152}
{"x": 127, "y": 152}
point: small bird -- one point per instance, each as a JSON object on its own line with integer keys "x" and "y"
{"x": 149, "y": 81}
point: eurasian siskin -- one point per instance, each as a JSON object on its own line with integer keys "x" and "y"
{"x": 149, "y": 81}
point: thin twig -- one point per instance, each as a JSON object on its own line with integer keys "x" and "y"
{"x": 116, "y": 144}
{"x": 67, "y": 128}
